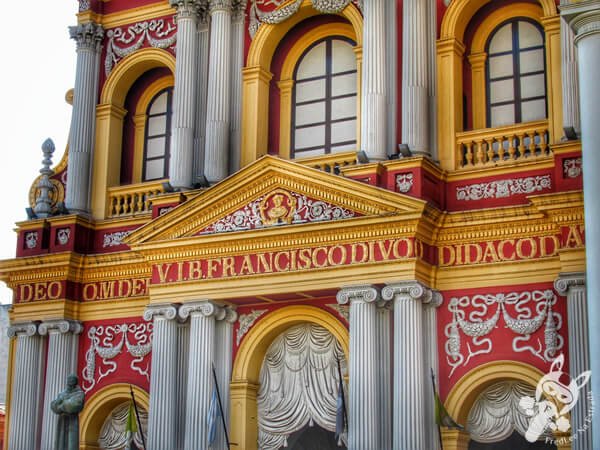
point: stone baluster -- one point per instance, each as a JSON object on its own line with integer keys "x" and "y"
{"x": 572, "y": 285}
{"x": 81, "y": 142}
{"x": 374, "y": 91}
{"x": 384, "y": 349}
{"x": 203, "y": 316}
{"x": 63, "y": 340}
{"x": 184, "y": 96}
{"x": 363, "y": 427}
{"x": 25, "y": 404}
{"x": 415, "y": 76}
{"x": 584, "y": 19}
{"x": 216, "y": 162}
{"x": 410, "y": 381}
{"x": 162, "y": 422}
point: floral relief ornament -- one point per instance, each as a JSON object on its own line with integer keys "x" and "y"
{"x": 504, "y": 188}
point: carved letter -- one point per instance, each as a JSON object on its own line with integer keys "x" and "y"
{"x": 163, "y": 271}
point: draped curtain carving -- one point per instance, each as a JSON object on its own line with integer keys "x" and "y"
{"x": 113, "y": 435}
{"x": 298, "y": 384}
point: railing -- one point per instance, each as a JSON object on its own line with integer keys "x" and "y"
{"x": 132, "y": 199}
{"x": 330, "y": 163}
{"x": 495, "y": 146}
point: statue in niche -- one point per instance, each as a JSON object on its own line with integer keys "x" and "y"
{"x": 68, "y": 404}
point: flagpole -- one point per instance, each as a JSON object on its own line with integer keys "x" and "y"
{"x": 342, "y": 388}
{"x": 221, "y": 407}
{"x": 137, "y": 416}
{"x": 438, "y": 425}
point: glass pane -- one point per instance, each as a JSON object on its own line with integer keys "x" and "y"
{"x": 155, "y": 169}
{"x": 157, "y": 125}
{"x": 155, "y": 147}
{"x": 501, "y": 66}
{"x": 310, "y": 137}
{"x": 309, "y": 153}
{"x": 313, "y": 63}
{"x": 533, "y": 110}
{"x": 502, "y": 40}
{"x": 532, "y": 86}
{"x": 343, "y": 107}
{"x": 310, "y": 90}
{"x": 343, "y": 84}
{"x": 311, "y": 113}
{"x": 343, "y": 148}
{"x": 160, "y": 104}
{"x": 343, "y": 56}
{"x": 502, "y": 91}
{"x": 529, "y": 35}
{"x": 502, "y": 115}
{"x": 343, "y": 131}
{"x": 531, "y": 60}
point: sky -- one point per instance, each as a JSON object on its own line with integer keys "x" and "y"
{"x": 38, "y": 68}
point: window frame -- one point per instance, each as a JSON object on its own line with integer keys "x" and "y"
{"x": 166, "y": 155}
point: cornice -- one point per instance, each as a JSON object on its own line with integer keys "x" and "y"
{"x": 133, "y": 15}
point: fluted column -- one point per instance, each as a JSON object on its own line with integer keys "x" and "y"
{"x": 202, "y": 36}
{"x": 219, "y": 83}
{"x": 374, "y": 90}
{"x": 184, "y": 96}
{"x": 363, "y": 427}
{"x": 572, "y": 285}
{"x": 384, "y": 377}
{"x": 415, "y": 76}
{"x": 410, "y": 381}
{"x": 237, "y": 64}
{"x": 63, "y": 338}
{"x": 223, "y": 362}
{"x": 391, "y": 60}
{"x": 203, "y": 315}
{"x": 570, "y": 83}
{"x": 26, "y": 387}
{"x": 183, "y": 347}
{"x": 584, "y": 18}
{"x": 432, "y": 22}
{"x": 89, "y": 43}
{"x": 163, "y": 377}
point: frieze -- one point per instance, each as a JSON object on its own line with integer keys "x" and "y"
{"x": 504, "y": 188}
{"x": 123, "y": 41}
{"x": 114, "y": 239}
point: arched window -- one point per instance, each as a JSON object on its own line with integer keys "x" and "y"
{"x": 158, "y": 136}
{"x": 516, "y": 80}
{"x": 324, "y": 99}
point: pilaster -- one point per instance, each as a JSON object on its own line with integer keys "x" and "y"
{"x": 63, "y": 339}
{"x": 363, "y": 428}
{"x": 430, "y": 363}
{"x": 24, "y": 424}
{"x": 163, "y": 377}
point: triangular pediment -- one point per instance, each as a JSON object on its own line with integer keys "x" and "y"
{"x": 273, "y": 192}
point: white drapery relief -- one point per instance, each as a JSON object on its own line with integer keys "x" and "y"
{"x": 113, "y": 435}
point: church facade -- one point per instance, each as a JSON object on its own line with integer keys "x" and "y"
{"x": 315, "y": 208}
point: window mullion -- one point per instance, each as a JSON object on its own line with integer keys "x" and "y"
{"x": 517, "y": 70}
{"x": 328, "y": 78}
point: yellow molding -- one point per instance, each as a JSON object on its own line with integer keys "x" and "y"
{"x": 134, "y": 15}
{"x": 515, "y": 167}
{"x": 362, "y": 169}
{"x": 53, "y": 309}
{"x": 561, "y": 148}
{"x": 112, "y": 309}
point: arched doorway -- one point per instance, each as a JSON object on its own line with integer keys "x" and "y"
{"x": 299, "y": 388}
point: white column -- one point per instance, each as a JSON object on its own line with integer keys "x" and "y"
{"x": 202, "y": 78}
{"x": 183, "y": 347}
{"x": 63, "y": 339}
{"x": 432, "y": 301}
{"x": 374, "y": 95}
{"x": 410, "y": 381}
{"x": 415, "y": 76}
{"x": 184, "y": 96}
{"x": 572, "y": 285}
{"x": 363, "y": 420}
{"x": 223, "y": 365}
{"x": 202, "y": 316}
{"x": 384, "y": 350}
{"x": 25, "y": 405}
{"x": 570, "y": 83}
{"x": 584, "y": 18}
{"x": 162, "y": 421}
{"x": 237, "y": 63}
{"x": 216, "y": 162}
{"x": 432, "y": 72}
{"x": 391, "y": 60}
{"x": 81, "y": 142}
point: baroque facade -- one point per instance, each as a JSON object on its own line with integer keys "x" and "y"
{"x": 281, "y": 197}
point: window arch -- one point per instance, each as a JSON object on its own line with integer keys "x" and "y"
{"x": 324, "y": 99}
{"x": 158, "y": 136}
{"x": 516, "y": 73}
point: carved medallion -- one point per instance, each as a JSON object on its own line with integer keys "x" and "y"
{"x": 278, "y": 207}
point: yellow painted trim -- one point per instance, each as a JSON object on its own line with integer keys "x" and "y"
{"x": 554, "y": 77}
{"x": 251, "y": 353}
{"x": 287, "y": 72}
{"x": 99, "y": 405}
{"x": 134, "y": 15}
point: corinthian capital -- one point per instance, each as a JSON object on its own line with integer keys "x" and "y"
{"x": 203, "y": 307}
{"x": 566, "y": 281}
{"x": 22, "y": 329}
{"x": 185, "y": 8}
{"x": 61, "y": 326}
{"x": 239, "y": 10}
{"x": 87, "y": 35}
{"x": 220, "y": 5}
{"x": 161, "y": 311}
{"x": 365, "y": 293}
{"x": 412, "y": 290}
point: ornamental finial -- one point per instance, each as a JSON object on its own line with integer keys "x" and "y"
{"x": 43, "y": 203}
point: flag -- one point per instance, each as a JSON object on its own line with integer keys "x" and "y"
{"x": 213, "y": 414}
{"x": 442, "y": 418}
{"x": 131, "y": 427}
